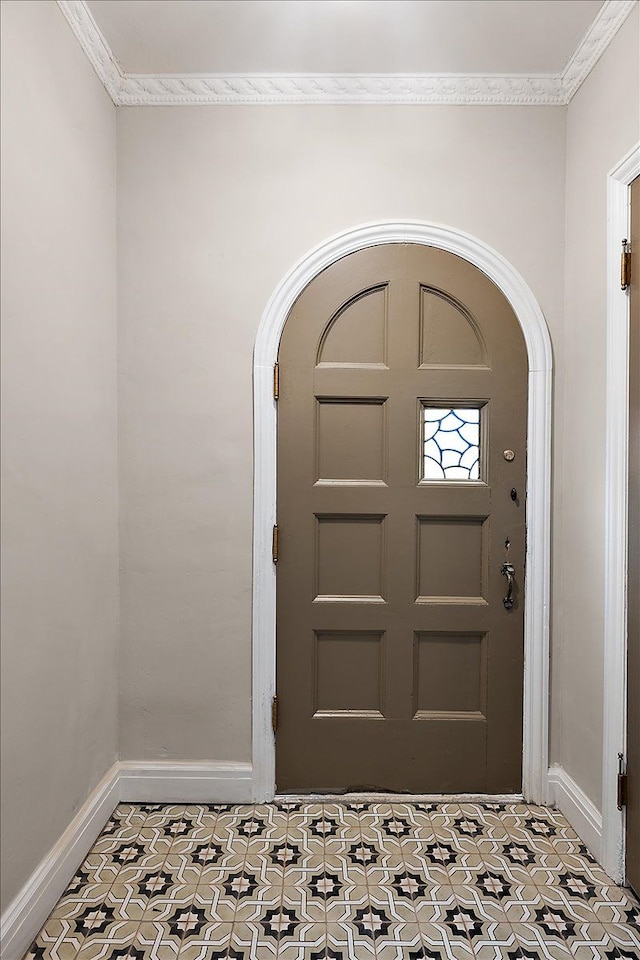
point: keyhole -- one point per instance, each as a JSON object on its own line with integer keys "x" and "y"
{"x": 514, "y": 494}
{"x": 507, "y": 544}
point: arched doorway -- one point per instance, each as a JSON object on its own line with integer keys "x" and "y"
{"x": 504, "y": 276}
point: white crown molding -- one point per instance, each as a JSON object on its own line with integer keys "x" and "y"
{"x": 610, "y": 17}
{"x": 453, "y": 89}
{"x": 146, "y": 90}
{"x": 95, "y": 46}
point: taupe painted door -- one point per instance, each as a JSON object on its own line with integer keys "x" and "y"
{"x": 633, "y": 593}
{"x": 403, "y": 382}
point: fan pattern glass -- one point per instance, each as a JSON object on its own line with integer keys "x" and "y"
{"x": 451, "y": 437}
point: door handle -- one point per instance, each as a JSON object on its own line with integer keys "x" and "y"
{"x": 508, "y": 570}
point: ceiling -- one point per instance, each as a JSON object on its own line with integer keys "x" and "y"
{"x": 466, "y": 37}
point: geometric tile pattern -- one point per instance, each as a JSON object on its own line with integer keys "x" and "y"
{"x": 340, "y": 881}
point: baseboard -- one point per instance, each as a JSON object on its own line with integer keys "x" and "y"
{"x": 580, "y": 811}
{"x": 134, "y": 782}
{"x": 157, "y": 782}
{"x": 27, "y": 913}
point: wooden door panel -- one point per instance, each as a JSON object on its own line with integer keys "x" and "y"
{"x": 359, "y": 541}
{"x": 452, "y": 558}
{"x": 450, "y": 674}
{"x": 357, "y": 332}
{"x": 449, "y": 336}
{"x": 338, "y": 421}
{"x": 398, "y": 666}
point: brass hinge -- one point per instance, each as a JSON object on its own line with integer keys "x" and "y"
{"x": 274, "y": 544}
{"x": 274, "y": 714}
{"x": 621, "y": 783}
{"x": 276, "y": 381}
{"x": 625, "y": 265}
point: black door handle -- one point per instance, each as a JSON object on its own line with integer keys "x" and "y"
{"x": 508, "y": 570}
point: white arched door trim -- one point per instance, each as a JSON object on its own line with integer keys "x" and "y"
{"x": 536, "y": 334}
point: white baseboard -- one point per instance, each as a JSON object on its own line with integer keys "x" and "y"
{"x": 27, "y": 913}
{"x": 158, "y": 782}
{"x": 129, "y": 781}
{"x": 580, "y": 811}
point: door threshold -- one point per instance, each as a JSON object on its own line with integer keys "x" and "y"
{"x": 399, "y": 797}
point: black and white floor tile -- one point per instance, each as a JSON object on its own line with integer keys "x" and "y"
{"x": 336, "y": 881}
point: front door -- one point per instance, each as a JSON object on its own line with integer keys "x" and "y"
{"x": 401, "y": 514}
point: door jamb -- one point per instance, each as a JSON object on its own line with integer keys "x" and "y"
{"x": 538, "y": 343}
{"x": 616, "y": 515}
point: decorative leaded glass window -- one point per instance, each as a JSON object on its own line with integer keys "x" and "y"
{"x": 451, "y": 443}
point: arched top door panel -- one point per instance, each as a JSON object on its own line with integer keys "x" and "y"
{"x": 475, "y": 331}
{"x": 449, "y": 335}
{"x": 357, "y": 332}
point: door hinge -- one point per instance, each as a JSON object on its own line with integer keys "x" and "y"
{"x": 621, "y": 799}
{"x": 274, "y": 714}
{"x": 274, "y": 543}
{"x": 625, "y": 265}
{"x": 276, "y": 381}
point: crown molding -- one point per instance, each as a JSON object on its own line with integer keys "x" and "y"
{"x": 474, "y": 90}
{"x": 606, "y": 24}
{"x": 144, "y": 90}
{"x": 95, "y": 46}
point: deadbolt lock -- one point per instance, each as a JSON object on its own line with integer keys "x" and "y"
{"x": 509, "y": 455}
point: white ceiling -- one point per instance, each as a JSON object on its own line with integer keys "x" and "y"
{"x": 343, "y": 36}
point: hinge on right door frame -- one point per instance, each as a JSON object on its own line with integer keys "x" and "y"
{"x": 274, "y": 543}
{"x": 625, "y": 265}
{"x": 276, "y": 381}
{"x": 274, "y": 714}
{"x": 621, "y": 784}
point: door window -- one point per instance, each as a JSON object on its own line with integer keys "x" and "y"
{"x": 451, "y": 443}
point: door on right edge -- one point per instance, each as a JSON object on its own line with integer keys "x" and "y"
{"x": 633, "y": 592}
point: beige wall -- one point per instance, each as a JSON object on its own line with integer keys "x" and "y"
{"x": 59, "y": 512}
{"x": 603, "y": 124}
{"x": 215, "y": 205}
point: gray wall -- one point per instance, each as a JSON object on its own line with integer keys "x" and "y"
{"x": 59, "y": 511}
{"x": 215, "y": 206}
{"x": 603, "y": 124}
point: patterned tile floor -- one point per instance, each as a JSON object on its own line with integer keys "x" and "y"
{"x": 336, "y": 881}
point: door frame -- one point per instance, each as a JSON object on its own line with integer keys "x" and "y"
{"x": 616, "y": 515}
{"x": 537, "y": 578}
